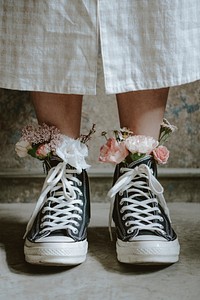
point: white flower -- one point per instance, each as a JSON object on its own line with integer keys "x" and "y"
{"x": 141, "y": 144}
{"x": 73, "y": 152}
{"x": 166, "y": 125}
{"x": 22, "y": 148}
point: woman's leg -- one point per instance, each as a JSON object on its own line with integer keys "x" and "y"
{"x": 142, "y": 111}
{"x": 60, "y": 110}
{"x": 60, "y": 220}
{"x": 144, "y": 233}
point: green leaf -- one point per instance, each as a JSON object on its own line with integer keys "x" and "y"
{"x": 32, "y": 152}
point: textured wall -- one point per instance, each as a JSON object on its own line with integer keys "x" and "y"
{"x": 183, "y": 110}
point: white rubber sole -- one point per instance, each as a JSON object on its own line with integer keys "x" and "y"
{"x": 148, "y": 252}
{"x": 55, "y": 254}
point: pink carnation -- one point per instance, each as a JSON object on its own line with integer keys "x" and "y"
{"x": 113, "y": 151}
{"x": 161, "y": 154}
{"x": 43, "y": 150}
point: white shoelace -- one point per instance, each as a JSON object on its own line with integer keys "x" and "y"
{"x": 63, "y": 195}
{"x": 145, "y": 213}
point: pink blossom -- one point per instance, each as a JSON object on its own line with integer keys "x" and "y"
{"x": 43, "y": 150}
{"x": 113, "y": 151}
{"x": 161, "y": 154}
{"x": 37, "y": 134}
{"x": 141, "y": 144}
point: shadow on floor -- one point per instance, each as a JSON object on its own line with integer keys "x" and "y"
{"x": 101, "y": 249}
{"x": 11, "y": 241}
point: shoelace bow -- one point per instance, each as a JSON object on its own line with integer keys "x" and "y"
{"x": 63, "y": 195}
{"x": 143, "y": 217}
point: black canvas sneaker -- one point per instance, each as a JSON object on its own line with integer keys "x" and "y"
{"x": 56, "y": 233}
{"x": 141, "y": 216}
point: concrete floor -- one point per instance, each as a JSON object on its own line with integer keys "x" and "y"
{"x": 101, "y": 276}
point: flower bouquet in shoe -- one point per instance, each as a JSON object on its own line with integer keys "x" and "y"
{"x": 138, "y": 207}
{"x": 126, "y": 147}
{"x": 56, "y": 232}
{"x": 46, "y": 143}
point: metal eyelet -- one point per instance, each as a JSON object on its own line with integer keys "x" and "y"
{"x": 75, "y": 231}
{"x": 122, "y": 210}
{"x": 130, "y": 231}
{"x": 124, "y": 218}
{"x": 127, "y": 224}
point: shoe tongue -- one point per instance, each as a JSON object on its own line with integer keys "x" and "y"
{"x": 59, "y": 232}
{"x": 51, "y": 162}
{"x": 147, "y": 160}
{"x": 150, "y": 162}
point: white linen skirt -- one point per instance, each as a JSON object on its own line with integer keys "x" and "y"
{"x": 53, "y": 45}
